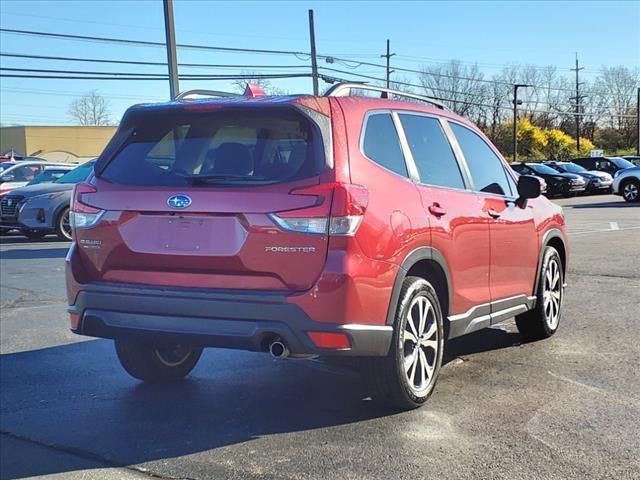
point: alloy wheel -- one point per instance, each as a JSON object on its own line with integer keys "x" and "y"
{"x": 65, "y": 225}
{"x": 420, "y": 344}
{"x": 630, "y": 192}
{"x": 173, "y": 355}
{"x": 552, "y": 294}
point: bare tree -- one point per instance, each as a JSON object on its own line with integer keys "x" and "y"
{"x": 255, "y": 78}
{"x": 90, "y": 109}
{"x": 459, "y": 83}
{"x": 617, "y": 87}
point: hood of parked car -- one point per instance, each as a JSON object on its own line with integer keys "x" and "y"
{"x": 561, "y": 176}
{"x": 600, "y": 175}
{"x": 41, "y": 189}
{"x": 635, "y": 171}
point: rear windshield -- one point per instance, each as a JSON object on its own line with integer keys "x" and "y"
{"x": 223, "y": 147}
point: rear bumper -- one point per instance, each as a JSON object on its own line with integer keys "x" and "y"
{"x": 226, "y": 319}
{"x": 7, "y": 223}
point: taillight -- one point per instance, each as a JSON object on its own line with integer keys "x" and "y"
{"x": 347, "y": 208}
{"x": 83, "y": 215}
{"x": 338, "y": 211}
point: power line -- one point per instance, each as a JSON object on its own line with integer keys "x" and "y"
{"x": 477, "y": 104}
{"x": 147, "y": 43}
{"x": 147, "y": 78}
{"x": 139, "y": 62}
{"x": 59, "y": 93}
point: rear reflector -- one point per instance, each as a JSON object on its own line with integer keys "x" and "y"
{"x": 75, "y": 321}
{"x": 330, "y": 340}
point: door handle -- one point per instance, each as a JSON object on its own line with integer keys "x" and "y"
{"x": 436, "y": 210}
{"x": 493, "y": 214}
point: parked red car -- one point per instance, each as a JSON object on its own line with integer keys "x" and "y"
{"x": 301, "y": 225}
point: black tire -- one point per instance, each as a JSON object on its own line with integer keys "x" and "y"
{"x": 154, "y": 363}
{"x": 630, "y": 190}
{"x": 567, "y": 193}
{"x": 62, "y": 220}
{"x": 34, "y": 234}
{"x": 386, "y": 377}
{"x": 541, "y": 322}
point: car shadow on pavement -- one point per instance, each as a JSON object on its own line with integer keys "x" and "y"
{"x": 34, "y": 254}
{"x": 481, "y": 341}
{"x": 76, "y": 398}
{"x": 620, "y": 204}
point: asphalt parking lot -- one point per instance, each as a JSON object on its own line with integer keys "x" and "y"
{"x": 567, "y": 407}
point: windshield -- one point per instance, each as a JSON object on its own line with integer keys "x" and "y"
{"x": 621, "y": 162}
{"x": 230, "y": 147}
{"x": 78, "y": 174}
{"x": 573, "y": 168}
{"x": 543, "y": 169}
{"x": 47, "y": 176}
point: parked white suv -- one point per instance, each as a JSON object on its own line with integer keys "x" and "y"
{"x": 627, "y": 184}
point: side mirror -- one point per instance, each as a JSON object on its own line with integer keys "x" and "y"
{"x": 528, "y": 187}
{"x": 8, "y": 178}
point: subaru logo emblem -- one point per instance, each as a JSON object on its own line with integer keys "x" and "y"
{"x": 179, "y": 201}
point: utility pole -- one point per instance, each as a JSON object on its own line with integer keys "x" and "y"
{"x": 388, "y": 57}
{"x": 172, "y": 59}
{"x": 516, "y": 102}
{"x": 638, "y": 122}
{"x": 314, "y": 59}
{"x": 578, "y": 98}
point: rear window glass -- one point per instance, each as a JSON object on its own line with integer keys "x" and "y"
{"x": 224, "y": 147}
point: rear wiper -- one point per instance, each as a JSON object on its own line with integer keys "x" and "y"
{"x": 193, "y": 179}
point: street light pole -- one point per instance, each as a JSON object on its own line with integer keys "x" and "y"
{"x": 516, "y": 102}
{"x": 172, "y": 59}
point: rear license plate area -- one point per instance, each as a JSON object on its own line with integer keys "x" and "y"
{"x": 186, "y": 234}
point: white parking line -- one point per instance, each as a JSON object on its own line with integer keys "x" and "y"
{"x": 587, "y": 232}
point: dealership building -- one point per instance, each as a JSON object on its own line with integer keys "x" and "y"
{"x": 72, "y": 144}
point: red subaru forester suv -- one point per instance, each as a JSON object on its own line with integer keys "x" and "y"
{"x": 299, "y": 225}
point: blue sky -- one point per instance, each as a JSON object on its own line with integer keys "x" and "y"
{"x": 490, "y": 33}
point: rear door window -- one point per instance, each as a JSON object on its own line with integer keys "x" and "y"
{"x": 432, "y": 153}
{"x": 382, "y": 145}
{"x": 223, "y": 147}
{"x": 487, "y": 170}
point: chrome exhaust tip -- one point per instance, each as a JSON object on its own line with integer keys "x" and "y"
{"x": 278, "y": 349}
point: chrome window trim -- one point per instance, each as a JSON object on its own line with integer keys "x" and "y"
{"x": 412, "y": 168}
{"x": 409, "y": 154}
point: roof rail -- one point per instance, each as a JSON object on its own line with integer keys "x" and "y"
{"x": 344, "y": 90}
{"x": 208, "y": 93}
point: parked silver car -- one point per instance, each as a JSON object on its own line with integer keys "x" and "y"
{"x": 627, "y": 184}
{"x": 38, "y": 210}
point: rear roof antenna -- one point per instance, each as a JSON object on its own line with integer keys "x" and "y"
{"x": 253, "y": 91}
